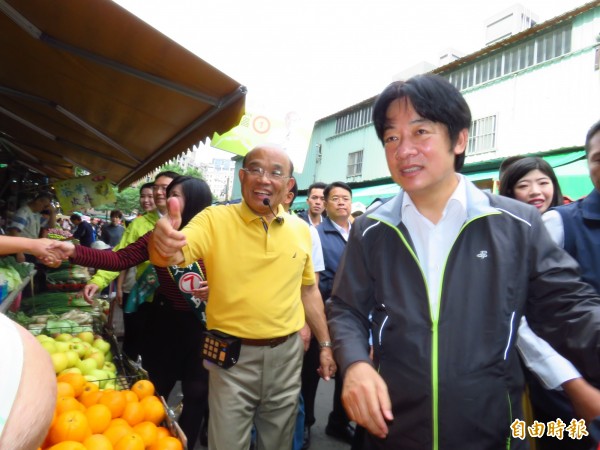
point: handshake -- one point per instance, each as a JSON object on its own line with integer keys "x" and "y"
{"x": 50, "y": 252}
{"x": 54, "y": 252}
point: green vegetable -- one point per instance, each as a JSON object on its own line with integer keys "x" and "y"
{"x": 53, "y": 302}
{"x": 20, "y": 317}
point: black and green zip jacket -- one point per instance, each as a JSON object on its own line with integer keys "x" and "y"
{"x": 454, "y": 375}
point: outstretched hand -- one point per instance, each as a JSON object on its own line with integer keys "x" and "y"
{"x": 166, "y": 241}
{"x": 51, "y": 252}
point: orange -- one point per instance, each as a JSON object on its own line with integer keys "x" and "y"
{"x": 90, "y": 386}
{"x": 116, "y": 432}
{"x": 76, "y": 380}
{"x": 97, "y": 442}
{"x": 162, "y": 432}
{"x": 119, "y": 421}
{"x": 148, "y": 431}
{"x": 115, "y": 400}
{"x": 167, "y": 443}
{"x": 99, "y": 418}
{"x": 133, "y": 413}
{"x": 69, "y": 426}
{"x": 64, "y": 404}
{"x": 130, "y": 396}
{"x": 89, "y": 398}
{"x": 68, "y": 445}
{"x": 131, "y": 441}
{"x": 154, "y": 410}
{"x": 64, "y": 389}
{"x": 143, "y": 388}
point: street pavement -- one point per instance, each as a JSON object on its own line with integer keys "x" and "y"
{"x": 323, "y": 403}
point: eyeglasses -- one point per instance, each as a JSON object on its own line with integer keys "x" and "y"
{"x": 336, "y": 199}
{"x": 160, "y": 187}
{"x": 259, "y": 172}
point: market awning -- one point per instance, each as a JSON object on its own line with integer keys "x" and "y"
{"x": 87, "y": 83}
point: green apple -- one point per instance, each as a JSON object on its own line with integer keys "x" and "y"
{"x": 42, "y": 337}
{"x": 110, "y": 384}
{"x": 99, "y": 357}
{"x": 109, "y": 367}
{"x": 108, "y": 356}
{"x": 72, "y": 357}
{"x": 76, "y": 339}
{"x": 86, "y": 336}
{"x": 70, "y": 370}
{"x": 88, "y": 349}
{"x": 100, "y": 375}
{"x": 101, "y": 345}
{"x": 87, "y": 365}
{"x": 78, "y": 347}
{"x": 92, "y": 379}
{"x": 50, "y": 346}
{"x": 63, "y": 337}
{"x": 61, "y": 346}
{"x": 59, "y": 361}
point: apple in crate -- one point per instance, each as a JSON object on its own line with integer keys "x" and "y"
{"x": 101, "y": 345}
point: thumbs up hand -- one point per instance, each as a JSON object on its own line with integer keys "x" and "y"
{"x": 166, "y": 241}
{"x": 174, "y": 212}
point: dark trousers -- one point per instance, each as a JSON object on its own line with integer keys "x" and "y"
{"x": 310, "y": 382}
{"x": 134, "y": 324}
{"x": 171, "y": 352}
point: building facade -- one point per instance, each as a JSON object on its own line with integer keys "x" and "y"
{"x": 533, "y": 93}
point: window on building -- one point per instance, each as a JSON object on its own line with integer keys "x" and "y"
{"x": 551, "y": 44}
{"x": 354, "y": 119}
{"x": 354, "y": 164}
{"x": 482, "y": 136}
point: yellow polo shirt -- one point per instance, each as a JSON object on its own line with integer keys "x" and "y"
{"x": 254, "y": 275}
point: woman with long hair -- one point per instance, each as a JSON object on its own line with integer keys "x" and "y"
{"x": 173, "y": 327}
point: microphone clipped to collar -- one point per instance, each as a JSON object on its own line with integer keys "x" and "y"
{"x": 278, "y": 219}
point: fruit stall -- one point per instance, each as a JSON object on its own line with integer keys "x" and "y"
{"x": 105, "y": 401}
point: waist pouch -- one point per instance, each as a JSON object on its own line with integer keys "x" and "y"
{"x": 220, "y": 348}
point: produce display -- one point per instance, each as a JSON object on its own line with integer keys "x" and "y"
{"x": 97, "y": 407}
{"x": 59, "y": 303}
{"x": 12, "y": 274}
{"x": 72, "y": 321}
{"x": 59, "y": 234}
{"x": 83, "y": 353}
{"x": 89, "y": 418}
{"x": 68, "y": 277}
{"x": 104, "y": 401}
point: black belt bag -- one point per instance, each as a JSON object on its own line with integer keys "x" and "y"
{"x": 220, "y": 348}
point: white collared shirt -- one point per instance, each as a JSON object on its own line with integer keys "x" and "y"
{"x": 433, "y": 241}
{"x": 345, "y": 233}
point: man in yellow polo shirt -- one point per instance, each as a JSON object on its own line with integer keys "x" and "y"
{"x": 259, "y": 267}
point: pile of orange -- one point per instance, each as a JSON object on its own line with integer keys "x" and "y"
{"x": 87, "y": 418}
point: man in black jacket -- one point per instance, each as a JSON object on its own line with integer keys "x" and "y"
{"x": 441, "y": 276}
{"x": 84, "y": 231}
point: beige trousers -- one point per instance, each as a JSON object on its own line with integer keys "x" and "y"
{"x": 261, "y": 389}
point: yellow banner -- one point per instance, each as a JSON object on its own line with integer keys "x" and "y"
{"x": 83, "y": 193}
{"x": 287, "y": 130}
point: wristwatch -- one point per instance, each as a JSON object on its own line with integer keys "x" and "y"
{"x": 325, "y": 344}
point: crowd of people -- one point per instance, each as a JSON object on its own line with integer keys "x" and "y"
{"x": 436, "y": 311}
